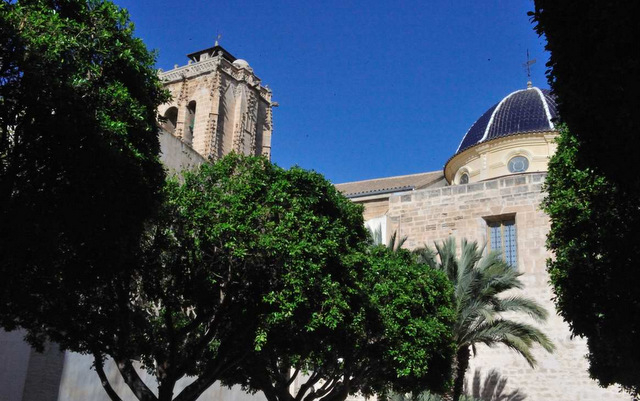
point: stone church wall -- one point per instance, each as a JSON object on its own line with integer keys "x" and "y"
{"x": 176, "y": 156}
{"x": 462, "y": 211}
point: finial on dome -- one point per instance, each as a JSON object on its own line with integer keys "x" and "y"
{"x": 527, "y": 66}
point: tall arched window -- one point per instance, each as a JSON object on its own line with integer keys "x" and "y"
{"x": 170, "y": 120}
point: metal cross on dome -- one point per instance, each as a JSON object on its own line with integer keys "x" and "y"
{"x": 528, "y": 65}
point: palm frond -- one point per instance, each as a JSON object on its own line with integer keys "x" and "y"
{"x": 479, "y": 282}
{"x": 396, "y": 243}
{"x": 425, "y": 255}
{"x": 520, "y": 337}
{"x": 521, "y": 305}
{"x": 375, "y": 236}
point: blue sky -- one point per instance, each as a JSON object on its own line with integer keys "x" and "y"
{"x": 366, "y": 89}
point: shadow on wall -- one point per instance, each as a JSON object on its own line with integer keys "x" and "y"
{"x": 492, "y": 389}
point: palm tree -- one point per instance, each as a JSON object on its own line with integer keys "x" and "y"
{"x": 478, "y": 283}
{"x": 395, "y": 243}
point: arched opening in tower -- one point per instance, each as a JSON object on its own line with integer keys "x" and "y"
{"x": 190, "y": 121}
{"x": 170, "y": 119}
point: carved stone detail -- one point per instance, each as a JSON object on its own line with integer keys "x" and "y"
{"x": 267, "y": 129}
{"x": 212, "y": 141}
{"x": 182, "y": 99}
{"x": 190, "y": 70}
{"x": 221, "y": 124}
{"x": 238, "y": 134}
{"x": 252, "y": 113}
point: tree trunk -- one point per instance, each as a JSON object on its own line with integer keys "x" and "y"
{"x": 462, "y": 363}
{"x": 135, "y": 383}
{"x": 165, "y": 390}
{"x": 98, "y": 364}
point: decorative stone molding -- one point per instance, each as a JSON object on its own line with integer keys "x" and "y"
{"x": 182, "y": 100}
{"x": 251, "y": 116}
{"x": 223, "y": 120}
{"x": 190, "y": 70}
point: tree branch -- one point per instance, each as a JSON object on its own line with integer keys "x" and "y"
{"x": 192, "y": 325}
{"x": 328, "y": 386}
{"x": 315, "y": 377}
{"x": 293, "y": 377}
{"x": 339, "y": 392}
{"x": 270, "y": 393}
{"x": 133, "y": 380}
{"x": 207, "y": 336}
{"x": 203, "y": 382}
{"x": 210, "y": 376}
{"x": 98, "y": 365}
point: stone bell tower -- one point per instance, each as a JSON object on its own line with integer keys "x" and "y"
{"x": 218, "y": 105}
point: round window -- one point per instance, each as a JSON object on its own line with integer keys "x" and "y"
{"x": 464, "y": 178}
{"x": 518, "y": 164}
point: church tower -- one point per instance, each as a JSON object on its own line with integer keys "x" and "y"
{"x": 218, "y": 105}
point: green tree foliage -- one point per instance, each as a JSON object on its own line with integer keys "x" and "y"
{"x": 594, "y": 237}
{"x": 79, "y": 169}
{"x": 593, "y": 188}
{"x": 396, "y": 335}
{"x": 478, "y": 285}
{"x": 258, "y": 276}
{"x": 593, "y": 71}
{"x": 241, "y": 246}
{"x": 395, "y": 243}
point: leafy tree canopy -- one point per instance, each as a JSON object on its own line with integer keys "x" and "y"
{"x": 242, "y": 246}
{"x": 238, "y": 251}
{"x": 595, "y": 240}
{"x": 194, "y": 280}
{"x": 396, "y": 335}
{"x": 79, "y": 169}
{"x": 593, "y": 188}
{"x": 593, "y": 71}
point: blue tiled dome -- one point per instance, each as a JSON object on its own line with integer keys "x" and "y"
{"x": 523, "y": 111}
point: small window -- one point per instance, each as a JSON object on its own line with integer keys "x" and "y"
{"x": 502, "y": 237}
{"x": 518, "y": 164}
{"x": 464, "y": 178}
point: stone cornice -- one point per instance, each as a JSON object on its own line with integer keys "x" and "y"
{"x": 241, "y": 74}
{"x": 512, "y": 180}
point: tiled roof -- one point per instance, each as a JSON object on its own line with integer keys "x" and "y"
{"x": 391, "y": 184}
{"x": 523, "y": 111}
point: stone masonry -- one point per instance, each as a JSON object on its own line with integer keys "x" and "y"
{"x": 462, "y": 211}
{"x": 218, "y": 105}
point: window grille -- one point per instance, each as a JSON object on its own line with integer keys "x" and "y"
{"x": 503, "y": 238}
